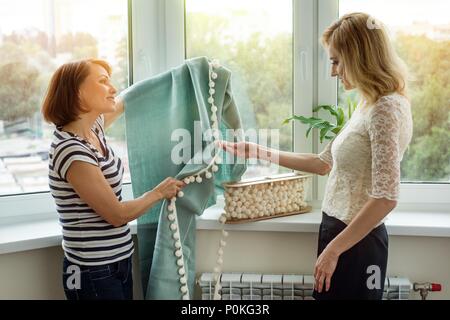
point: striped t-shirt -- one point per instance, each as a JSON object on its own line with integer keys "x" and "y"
{"x": 87, "y": 238}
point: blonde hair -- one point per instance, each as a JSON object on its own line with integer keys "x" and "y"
{"x": 370, "y": 62}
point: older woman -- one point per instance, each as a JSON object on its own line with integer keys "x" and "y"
{"x": 363, "y": 161}
{"x": 85, "y": 177}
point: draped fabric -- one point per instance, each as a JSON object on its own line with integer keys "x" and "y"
{"x": 154, "y": 108}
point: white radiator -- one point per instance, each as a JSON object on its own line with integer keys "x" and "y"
{"x": 252, "y": 286}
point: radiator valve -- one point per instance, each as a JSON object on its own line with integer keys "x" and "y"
{"x": 424, "y": 288}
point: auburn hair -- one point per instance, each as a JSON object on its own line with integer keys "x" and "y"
{"x": 61, "y": 103}
{"x": 369, "y": 60}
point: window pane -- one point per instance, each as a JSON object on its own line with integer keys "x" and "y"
{"x": 33, "y": 43}
{"x": 421, "y": 34}
{"x": 253, "y": 39}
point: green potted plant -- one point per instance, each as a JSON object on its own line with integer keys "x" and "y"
{"x": 326, "y": 127}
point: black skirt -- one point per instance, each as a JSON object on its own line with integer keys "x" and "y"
{"x": 361, "y": 271}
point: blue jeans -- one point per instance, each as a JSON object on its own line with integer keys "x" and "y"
{"x": 106, "y": 282}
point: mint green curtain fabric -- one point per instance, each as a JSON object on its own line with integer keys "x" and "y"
{"x": 153, "y": 109}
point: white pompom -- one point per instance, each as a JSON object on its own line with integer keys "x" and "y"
{"x": 214, "y": 75}
{"x": 171, "y": 217}
{"x": 192, "y": 179}
{"x": 180, "y": 262}
{"x": 199, "y": 179}
{"x": 181, "y": 271}
{"x": 208, "y": 175}
{"x": 178, "y": 253}
{"x": 215, "y": 168}
{"x": 215, "y": 63}
{"x": 183, "y": 289}
{"x": 180, "y": 194}
{"x": 187, "y": 180}
{"x": 212, "y": 84}
{"x": 173, "y": 227}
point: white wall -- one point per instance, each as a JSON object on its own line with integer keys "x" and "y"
{"x": 36, "y": 274}
{"x": 421, "y": 259}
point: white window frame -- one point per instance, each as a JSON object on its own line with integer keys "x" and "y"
{"x": 157, "y": 44}
{"x": 304, "y": 79}
{"x": 413, "y": 196}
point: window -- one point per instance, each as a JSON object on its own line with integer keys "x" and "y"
{"x": 33, "y": 43}
{"x": 421, "y": 34}
{"x": 254, "y": 40}
{"x": 271, "y": 47}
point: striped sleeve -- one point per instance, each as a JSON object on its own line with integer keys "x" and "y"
{"x": 100, "y": 124}
{"x": 69, "y": 151}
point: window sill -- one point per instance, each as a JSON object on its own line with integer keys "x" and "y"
{"x": 35, "y": 234}
{"x": 399, "y": 223}
{"x": 46, "y": 232}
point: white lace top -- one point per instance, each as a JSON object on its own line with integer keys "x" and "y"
{"x": 365, "y": 156}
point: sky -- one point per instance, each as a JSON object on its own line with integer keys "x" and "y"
{"x": 21, "y": 14}
{"x": 391, "y": 12}
{"x": 272, "y": 16}
{"x": 401, "y": 12}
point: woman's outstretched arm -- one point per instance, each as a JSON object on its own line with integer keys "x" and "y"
{"x": 306, "y": 162}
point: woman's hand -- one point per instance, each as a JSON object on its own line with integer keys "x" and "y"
{"x": 243, "y": 149}
{"x": 169, "y": 188}
{"x": 324, "y": 269}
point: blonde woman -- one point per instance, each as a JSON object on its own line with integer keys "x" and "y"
{"x": 363, "y": 161}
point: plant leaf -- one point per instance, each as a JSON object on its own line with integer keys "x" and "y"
{"x": 341, "y": 117}
{"x": 331, "y": 109}
{"x": 336, "y": 130}
{"x": 304, "y": 120}
{"x": 323, "y": 133}
{"x": 308, "y": 131}
{"x": 350, "y": 107}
